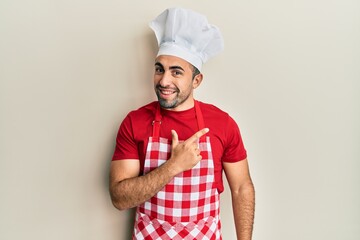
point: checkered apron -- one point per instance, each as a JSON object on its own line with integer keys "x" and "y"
{"x": 188, "y": 206}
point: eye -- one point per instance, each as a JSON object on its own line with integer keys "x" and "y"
{"x": 177, "y": 73}
{"x": 159, "y": 70}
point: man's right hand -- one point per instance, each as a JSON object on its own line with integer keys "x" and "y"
{"x": 186, "y": 155}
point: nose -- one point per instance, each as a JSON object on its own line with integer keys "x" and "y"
{"x": 166, "y": 79}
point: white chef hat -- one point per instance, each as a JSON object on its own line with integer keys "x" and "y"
{"x": 188, "y": 35}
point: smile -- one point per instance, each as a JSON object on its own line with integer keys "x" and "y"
{"x": 166, "y": 91}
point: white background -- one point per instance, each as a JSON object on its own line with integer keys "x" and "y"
{"x": 71, "y": 70}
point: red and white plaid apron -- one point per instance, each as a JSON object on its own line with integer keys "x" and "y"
{"x": 188, "y": 206}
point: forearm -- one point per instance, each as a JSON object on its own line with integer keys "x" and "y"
{"x": 132, "y": 192}
{"x": 244, "y": 207}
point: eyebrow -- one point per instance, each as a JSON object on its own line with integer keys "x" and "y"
{"x": 171, "y": 67}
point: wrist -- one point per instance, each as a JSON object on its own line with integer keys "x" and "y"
{"x": 172, "y": 166}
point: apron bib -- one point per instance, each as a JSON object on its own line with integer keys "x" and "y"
{"x": 188, "y": 206}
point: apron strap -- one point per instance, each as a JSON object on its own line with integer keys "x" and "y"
{"x": 198, "y": 114}
{"x": 200, "y": 120}
{"x": 157, "y": 122}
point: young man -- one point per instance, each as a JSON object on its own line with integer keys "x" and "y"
{"x": 170, "y": 154}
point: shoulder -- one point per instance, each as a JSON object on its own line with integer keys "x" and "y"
{"x": 142, "y": 115}
{"x": 218, "y": 119}
{"x": 148, "y": 109}
{"x": 212, "y": 111}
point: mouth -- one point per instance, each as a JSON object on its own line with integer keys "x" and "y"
{"x": 166, "y": 92}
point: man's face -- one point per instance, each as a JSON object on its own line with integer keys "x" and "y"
{"x": 174, "y": 83}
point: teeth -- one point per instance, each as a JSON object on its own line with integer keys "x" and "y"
{"x": 167, "y": 92}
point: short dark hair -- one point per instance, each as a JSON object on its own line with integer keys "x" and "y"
{"x": 195, "y": 71}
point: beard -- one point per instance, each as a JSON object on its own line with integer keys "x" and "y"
{"x": 171, "y": 103}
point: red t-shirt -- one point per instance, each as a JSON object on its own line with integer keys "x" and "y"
{"x": 225, "y": 138}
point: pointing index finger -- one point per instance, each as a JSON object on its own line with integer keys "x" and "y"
{"x": 198, "y": 135}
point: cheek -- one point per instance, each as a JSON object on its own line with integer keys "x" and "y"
{"x": 188, "y": 87}
{"x": 156, "y": 79}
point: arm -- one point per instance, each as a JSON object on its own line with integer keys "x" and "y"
{"x": 243, "y": 197}
{"x": 128, "y": 189}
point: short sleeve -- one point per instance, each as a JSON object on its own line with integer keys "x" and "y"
{"x": 234, "y": 149}
{"x": 126, "y": 146}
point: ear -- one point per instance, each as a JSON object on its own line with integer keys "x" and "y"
{"x": 197, "y": 80}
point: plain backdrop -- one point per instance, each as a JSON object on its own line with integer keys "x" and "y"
{"x": 71, "y": 70}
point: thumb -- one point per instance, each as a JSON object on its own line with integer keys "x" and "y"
{"x": 175, "y": 139}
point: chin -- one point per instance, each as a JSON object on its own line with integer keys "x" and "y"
{"x": 167, "y": 104}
